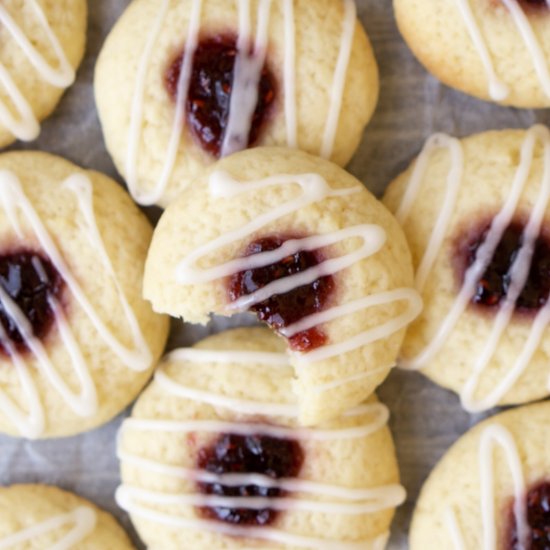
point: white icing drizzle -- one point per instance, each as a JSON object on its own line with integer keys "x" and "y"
{"x": 347, "y": 501}
{"x": 126, "y": 499}
{"x": 497, "y": 89}
{"x": 247, "y": 74}
{"x": 290, "y": 75}
{"x": 136, "y": 118}
{"x": 339, "y": 80}
{"x": 27, "y": 127}
{"x": 14, "y": 201}
{"x": 492, "y": 435}
{"x": 84, "y": 519}
{"x": 313, "y": 189}
{"x": 519, "y": 270}
{"x": 246, "y": 77}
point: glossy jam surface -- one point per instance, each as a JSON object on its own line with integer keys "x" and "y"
{"x": 493, "y": 286}
{"x": 282, "y": 310}
{"x": 209, "y": 97}
{"x": 255, "y": 454}
{"x": 538, "y": 519}
{"x": 29, "y": 279}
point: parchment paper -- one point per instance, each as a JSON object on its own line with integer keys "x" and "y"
{"x": 425, "y": 419}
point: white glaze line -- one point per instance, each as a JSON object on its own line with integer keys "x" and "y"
{"x": 493, "y": 435}
{"x": 243, "y": 357}
{"x": 498, "y": 91}
{"x": 83, "y": 518}
{"x": 136, "y": 115}
{"x": 289, "y": 71}
{"x": 27, "y": 127}
{"x": 380, "y": 412}
{"x": 390, "y": 495}
{"x": 125, "y": 500}
{"x": 339, "y": 79}
{"x": 246, "y": 77}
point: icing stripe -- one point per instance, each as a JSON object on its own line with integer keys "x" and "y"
{"x": 125, "y": 499}
{"x": 83, "y": 518}
{"x": 27, "y": 127}
{"x": 519, "y": 270}
{"x": 339, "y": 79}
{"x": 492, "y": 435}
{"x": 14, "y": 202}
{"x": 497, "y": 90}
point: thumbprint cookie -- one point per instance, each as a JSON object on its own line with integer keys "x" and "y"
{"x": 477, "y": 216}
{"x": 491, "y": 489}
{"x": 180, "y": 84}
{"x": 40, "y": 516}
{"x": 213, "y": 457}
{"x": 497, "y": 50}
{"x": 77, "y": 341}
{"x": 302, "y": 244}
{"x": 42, "y": 45}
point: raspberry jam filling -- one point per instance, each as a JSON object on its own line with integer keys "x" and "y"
{"x": 493, "y": 286}
{"x": 282, "y": 310}
{"x": 538, "y": 519}
{"x": 209, "y": 96}
{"x": 29, "y": 279}
{"x": 254, "y": 454}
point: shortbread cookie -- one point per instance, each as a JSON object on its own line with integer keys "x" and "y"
{"x": 213, "y": 457}
{"x": 303, "y": 244}
{"x": 40, "y": 517}
{"x": 497, "y": 50}
{"x": 477, "y": 216}
{"x": 491, "y": 489}
{"x": 78, "y": 342}
{"x": 303, "y": 75}
{"x": 42, "y": 45}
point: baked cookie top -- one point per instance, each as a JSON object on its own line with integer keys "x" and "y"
{"x": 491, "y": 489}
{"x": 78, "y": 342}
{"x": 181, "y": 83}
{"x": 303, "y": 244}
{"x": 42, "y": 45}
{"x": 497, "y": 50}
{"x": 213, "y": 457}
{"x": 40, "y": 516}
{"x": 476, "y": 213}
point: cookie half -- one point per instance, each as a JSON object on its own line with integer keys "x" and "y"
{"x": 180, "y": 84}
{"x": 491, "y": 489}
{"x": 213, "y": 457}
{"x": 301, "y": 243}
{"x": 78, "y": 342}
{"x": 40, "y": 516}
{"x": 477, "y": 216}
{"x": 42, "y": 45}
{"x": 498, "y": 50}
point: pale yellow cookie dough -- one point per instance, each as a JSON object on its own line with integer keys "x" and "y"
{"x": 491, "y": 161}
{"x": 454, "y": 486}
{"x": 25, "y": 507}
{"x": 356, "y": 463}
{"x": 318, "y": 28}
{"x": 438, "y": 35}
{"x": 67, "y": 20}
{"x": 197, "y": 218}
{"x": 125, "y": 233}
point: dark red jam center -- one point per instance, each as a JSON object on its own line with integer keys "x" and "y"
{"x": 210, "y": 88}
{"x": 255, "y": 454}
{"x": 282, "y": 310}
{"x": 29, "y": 279}
{"x": 493, "y": 286}
{"x": 538, "y": 520}
{"x": 533, "y": 4}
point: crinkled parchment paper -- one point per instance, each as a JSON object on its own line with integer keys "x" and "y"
{"x": 425, "y": 419}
